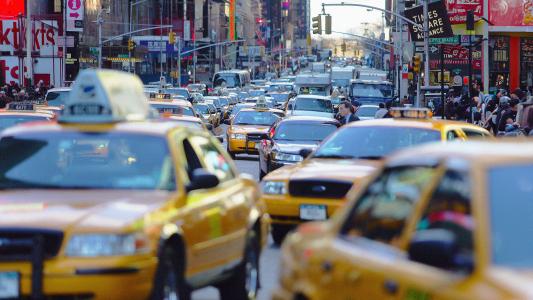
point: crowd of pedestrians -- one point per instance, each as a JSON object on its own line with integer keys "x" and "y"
{"x": 13, "y": 92}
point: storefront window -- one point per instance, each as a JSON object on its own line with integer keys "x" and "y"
{"x": 526, "y": 63}
{"x": 499, "y": 63}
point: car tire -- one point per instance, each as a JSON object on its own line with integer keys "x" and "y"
{"x": 169, "y": 279}
{"x": 244, "y": 282}
{"x": 279, "y": 232}
{"x": 231, "y": 154}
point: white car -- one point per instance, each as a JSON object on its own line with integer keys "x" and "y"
{"x": 367, "y": 112}
{"x": 311, "y": 105}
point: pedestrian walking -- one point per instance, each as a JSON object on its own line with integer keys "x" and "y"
{"x": 347, "y": 113}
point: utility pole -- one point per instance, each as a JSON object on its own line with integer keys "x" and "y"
{"x": 29, "y": 45}
{"x": 179, "y": 61}
{"x": 99, "y": 21}
{"x": 161, "y": 41}
{"x": 426, "y": 43}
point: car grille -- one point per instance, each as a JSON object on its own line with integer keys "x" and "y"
{"x": 19, "y": 243}
{"x": 319, "y": 188}
{"x": 254, "y": 137}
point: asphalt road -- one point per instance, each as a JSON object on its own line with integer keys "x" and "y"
{"x": 270, "y": 257}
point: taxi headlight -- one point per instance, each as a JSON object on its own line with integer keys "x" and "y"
{"x": 94, "y": 245}
{"x": 238, "y": 136}
{"x": 274, "y": 187}
{"x": 287, "y": 157}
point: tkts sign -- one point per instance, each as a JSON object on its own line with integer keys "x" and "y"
{"x": 44, "y": 33}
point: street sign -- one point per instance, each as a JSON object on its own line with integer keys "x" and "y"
{"x": 75, "y": 13}
{"x": 438, "y": 21}
{"x": 449, "y": 40}
{"x": 419, "y": 49}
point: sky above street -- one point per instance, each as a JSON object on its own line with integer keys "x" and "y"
{"x": 349, "y": 19}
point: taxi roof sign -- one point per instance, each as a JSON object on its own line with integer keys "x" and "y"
{"x": 20, "y": 106}
{"x": 103, "y": 96}
{"x": 261, "y": 102}
{"x": 410, "y": 113}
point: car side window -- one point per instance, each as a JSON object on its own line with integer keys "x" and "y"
{"x": 214, "y": 161}
{"x": 473, "y": 133}
{"x": 449, "y": 208}
{"x": 381, "y": 213}
{"x": 452, "y": 135}
{"x": 193, "y": 162}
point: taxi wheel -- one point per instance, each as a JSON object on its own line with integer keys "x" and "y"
{"x": 279, "y": 232}
{"x": 169, "y": 281}
{"x": 231, "y": 154}
{"x": 244, "y": 283}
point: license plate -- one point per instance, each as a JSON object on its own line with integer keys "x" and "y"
{"x": 9, "y": 285}
{"x": 313, "y": 212}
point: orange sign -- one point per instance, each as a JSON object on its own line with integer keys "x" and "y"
{"x": 232, "y": 28}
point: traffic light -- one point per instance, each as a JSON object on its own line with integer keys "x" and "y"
{"x": 328, "y": 24}
{"x": 416, "y": 63}
{"x": 317, "y": 25}
{"x": 172, "y": 37}
{"x": 131, "y": 45}
{"x": 470, "y": 20}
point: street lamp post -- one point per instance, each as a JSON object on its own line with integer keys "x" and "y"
{"x": 131, "y": 29}
{"x": 100, "y": 22}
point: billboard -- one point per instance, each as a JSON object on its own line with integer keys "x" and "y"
{"x": 11, "y": 9}
{"x": 47, "y": 62}
{"x": 457, "y": 9}
{"x": 511, "y": 12}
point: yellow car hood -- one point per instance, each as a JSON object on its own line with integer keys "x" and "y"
{"x": 317, "y": 168}
{"x": 81, "y": 210}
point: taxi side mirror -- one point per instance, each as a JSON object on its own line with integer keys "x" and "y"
{"x": 209, "y": 126}
{"x": 202, "y": 179}
{"x": 305, "y": 152}
{"x": 227, "y": 121}
{"x": 438, "y": 248}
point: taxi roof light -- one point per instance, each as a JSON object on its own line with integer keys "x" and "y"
{"x": 106, "y": 96}
{"x": 410, "y": 113}
{"x": 21, "y": 106}
{"x": 261, "y": 103}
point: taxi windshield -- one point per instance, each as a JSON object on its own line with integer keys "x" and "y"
{"x": 265, "y": 118}
{"x": 173, "y": 109}
{"x": 179, "y": 92}
{"x": 223, "y": 101}
{"x": 373, "y": 142}
{"x": 56, "y": 98}
{"x": 89, "y": 160}
{"x": 313, "y": 105}
{"x": 367, "y": 111}
{"x": 372, "y": 90}
{"x": 303, "y": 132}
{"x": 510, "y": 188}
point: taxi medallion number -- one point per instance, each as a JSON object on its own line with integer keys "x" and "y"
{"x": 9, "y": 285}
{"x": 313, "y": 212}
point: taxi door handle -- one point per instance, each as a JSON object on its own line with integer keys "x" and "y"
{"x": 390, "y": 286}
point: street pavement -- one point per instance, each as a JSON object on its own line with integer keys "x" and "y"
{"x": 269, "y": 263}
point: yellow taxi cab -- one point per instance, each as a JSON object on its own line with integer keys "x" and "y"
{"x": 436, "y": 222}
{"x": 249, "y": 126}
{"x": 23, "y": 112}
{"x": 111, "y": 203}
{"x": 315, "y": 188}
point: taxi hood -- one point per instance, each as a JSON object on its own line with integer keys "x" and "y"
{"x": 318, "y": 168}
{"x": 294, "y": 147}
{"x": 249, "y": 128}
{"x": 78, "y": 210}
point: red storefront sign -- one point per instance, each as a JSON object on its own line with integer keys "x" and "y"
{"x": 11, "y": 9}
{"x": 457, "y": 9}
{"x": 511, "y": 12}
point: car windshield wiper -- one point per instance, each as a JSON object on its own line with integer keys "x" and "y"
{"x": 338, "y": 156}
{"x": 369, "y": 157}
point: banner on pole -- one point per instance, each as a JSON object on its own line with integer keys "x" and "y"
{"x": 75, "y": 11}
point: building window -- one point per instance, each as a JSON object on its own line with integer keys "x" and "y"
{"x": 526, "y": 63}
{"x": 499, "y": 62}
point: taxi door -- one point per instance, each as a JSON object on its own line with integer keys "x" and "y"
{"x": 202, "y": 217}
{"x": 368, "y": 242}
{"x": 447, "y": 208}
{"x": 235, "y": 199}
